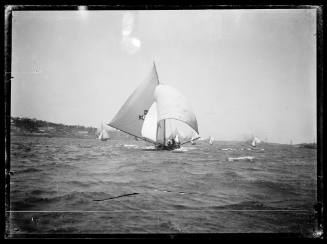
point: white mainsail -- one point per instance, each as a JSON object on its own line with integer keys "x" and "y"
{"x": 172, "y": 105}
{"x": 157, "y": 113}
{"x": 178, "y": 115}
{"x": 130, "y": 117}
{"x": 149, "y": 128}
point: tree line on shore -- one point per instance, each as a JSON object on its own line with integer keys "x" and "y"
{"x": 34, "y": 125}
{"x": 28, "y": 126}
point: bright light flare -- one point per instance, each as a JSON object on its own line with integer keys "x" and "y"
{"x": 83, "y": 11}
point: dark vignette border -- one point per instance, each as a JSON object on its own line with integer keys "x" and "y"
{"x": 320, "y": 216}
{"x": 7, "y": 90}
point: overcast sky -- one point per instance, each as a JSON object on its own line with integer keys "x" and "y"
{"x": 245, "y": 72}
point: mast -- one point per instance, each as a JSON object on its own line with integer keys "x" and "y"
{"x": 155, "y": 68}
{"x": 164, "y": 133}
{"x": 164, "y": 121}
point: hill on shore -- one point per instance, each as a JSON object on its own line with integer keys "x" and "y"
{"x": 35, "y": 127}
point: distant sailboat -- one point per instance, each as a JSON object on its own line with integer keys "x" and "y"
{"x": 103, "y": 136}
{"x": 211, "y": 140}
{"x": 157, "y": 113}
{"x": 255, "y": 141}
{"x": 192, "y": 139}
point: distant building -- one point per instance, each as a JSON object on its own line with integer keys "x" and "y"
{"x": 83, "y": 132}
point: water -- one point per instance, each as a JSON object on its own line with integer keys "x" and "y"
{"x": 57, "y": 182}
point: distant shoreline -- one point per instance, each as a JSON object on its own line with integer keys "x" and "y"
{"x": 39, "y": 128}
{"x": 51, "y": 136}
{"x": 122, "y": 136}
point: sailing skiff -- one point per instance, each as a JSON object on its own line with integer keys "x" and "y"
{"x": 157, "y": 113}
{"x": 103, "y": 136}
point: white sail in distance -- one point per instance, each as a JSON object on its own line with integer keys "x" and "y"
{"x": 255, "y": 141}
{"x": 211, "y": 140}
{"x": 104, "y": 135}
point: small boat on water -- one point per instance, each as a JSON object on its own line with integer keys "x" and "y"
{"x": 104, "y": 135}
{"x": 255, "y": 141}
{"x": 157, "y": 113}
{"x": 211, "y": 140}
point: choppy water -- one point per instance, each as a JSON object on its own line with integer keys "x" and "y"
{"x": 57, "y": 181}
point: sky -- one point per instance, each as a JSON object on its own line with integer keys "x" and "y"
{"x": 244, "y": 72}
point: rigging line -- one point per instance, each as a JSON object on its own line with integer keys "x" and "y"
{"x": 190, "y": 140}
{"x": 164, "y": 132}
{"x": 155, "y": 69}
{"x": 134, "y": 135}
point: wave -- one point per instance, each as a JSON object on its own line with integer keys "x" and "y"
{"x": 177, "y": 161}
{"x": 234, "y": 175}
{"x": 244, "y": 205}
{"x": 74, "y": 183}
{"x": 149, "y": 148}
{"x": 147, "y": 170}
{"x": 200, "y": 178}
{"x": 170, "y": 226}
{"x": 39, "y": 192}
{"x": 29, "y": 170}
{"x": 203, "y": 174}
{"x": 180, "y": 207}
{"x": 60, "y": 165}
{"x": 281, "y": 188}
{"x": 130, "y": 146}
{"x": 73, "y": 198}
{"x": 206, "y": 160}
